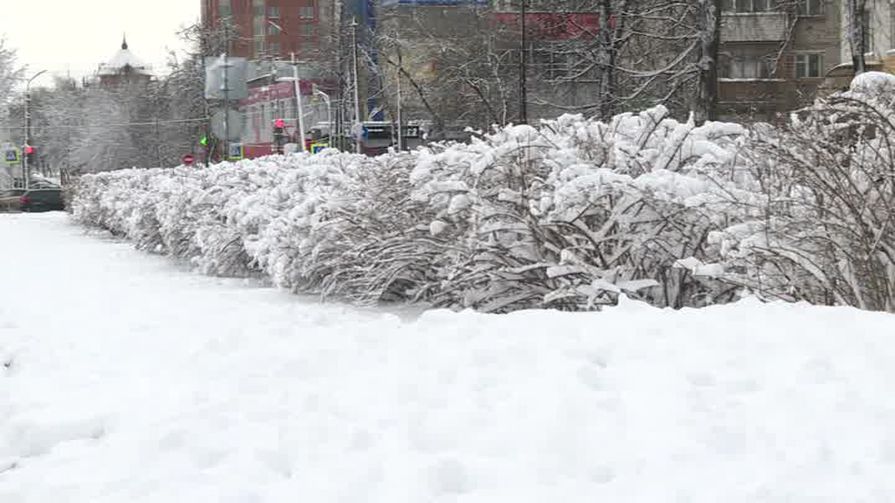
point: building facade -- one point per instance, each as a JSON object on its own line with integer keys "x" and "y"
{"x": 776, "y": 55}
{"x": 265, "y": 29}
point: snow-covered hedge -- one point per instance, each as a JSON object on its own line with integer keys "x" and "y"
{"x": 567, "y": 215}
{"x": 564, "y": 215}
{"x": 818, "y": 222}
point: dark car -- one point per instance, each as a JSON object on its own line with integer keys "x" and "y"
{"x": 41, "y": 200}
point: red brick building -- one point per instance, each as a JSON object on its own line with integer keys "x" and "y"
{"x": 274, "y": 28}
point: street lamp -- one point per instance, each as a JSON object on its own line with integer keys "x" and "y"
{"x": 296, "y": 85}
{"x": 301, "y": 120}
{"x": 329, "y": 112}
{"x": 25, "y": 168}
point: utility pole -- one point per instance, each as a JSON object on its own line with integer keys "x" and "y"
{"x": 207, "y": 146}
{"x": 300, "y": 122}
{"x": 329, "y": 113}
{"x": 226, "y": 89}
{"x": 523, "y": 91}
{"x": 339, "y": 29}
{"x": 358, "y": 122}
{"x": 400, "y": 118}
{"x": 26, "y": 170}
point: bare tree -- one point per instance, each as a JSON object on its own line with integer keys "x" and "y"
{"x": 856, "y": 33}
{"x": 9, "y": 71}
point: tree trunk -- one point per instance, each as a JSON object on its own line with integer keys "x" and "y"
{"x": 856, "y": 30}
{"x": 708, "y": 19}
{"x": 607, "y": 60}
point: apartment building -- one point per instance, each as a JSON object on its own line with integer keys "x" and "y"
{"x": 273, "y": 28}
{"x": 775, "y": 54}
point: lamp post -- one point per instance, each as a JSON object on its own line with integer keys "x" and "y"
{"x": 301, "y": 120}
{"x": 329, "y": 113}
{"x": 358, "y": 120}
{"x": 523, "y": 87}
{"x": 25, "y": 168}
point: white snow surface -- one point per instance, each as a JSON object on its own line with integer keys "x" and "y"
{"x": 873, "y": 83}
{"x": 127, "y": 378}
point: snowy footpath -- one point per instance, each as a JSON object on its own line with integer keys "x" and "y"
{"x": 127, "y": 378}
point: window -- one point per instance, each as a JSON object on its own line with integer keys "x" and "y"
{"x": 811, "y": 7}
{"x": 551, "y": 65}
{"x": 307, "y": 11}
{"x": 224, "y": 8}
{"x": 273, "y": 48}
{"x": 747, "y": 6}
{"x": 307, "y": 30}
{"x": 746, "y": 67}
{"x": 273, "y": 12}
{"x": 273, "y": 29}
{"x": 808, "y": 66}
{"x": 258, "y": 8}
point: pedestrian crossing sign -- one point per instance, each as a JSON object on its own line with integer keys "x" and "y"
{"x": 11, "y": 155}
{"x": 236, "y": 152}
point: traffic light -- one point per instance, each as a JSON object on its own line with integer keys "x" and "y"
{"x": 279, "y": 134}
{"x": 30, "y": 153}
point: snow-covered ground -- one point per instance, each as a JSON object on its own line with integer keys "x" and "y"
{"x": 129, "y": 379}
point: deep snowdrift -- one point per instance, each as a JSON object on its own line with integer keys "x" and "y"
{"x": 126, "y": 379}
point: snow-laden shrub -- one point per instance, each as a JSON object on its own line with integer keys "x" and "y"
{"x": 576, "y": 211}
{"x": 820, "y": 220}
{"x": 568, "y": 214}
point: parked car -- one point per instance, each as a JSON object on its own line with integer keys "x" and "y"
{"x": 42, "y": 200}
{"x": 32, "y": 200}
{"x": 10, "y": 199}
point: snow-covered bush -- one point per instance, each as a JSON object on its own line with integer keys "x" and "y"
{"x": 574, "y": 212}
{"x": 568, "y": 214}
{"x": 822, "y": 204}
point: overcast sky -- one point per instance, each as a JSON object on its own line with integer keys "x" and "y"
{"x": 77, "y": 35}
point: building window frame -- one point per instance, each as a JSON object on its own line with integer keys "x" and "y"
{"x": 551, "y": 63}
{"x": 808, "y": 65}
{"x": 810, "y": 8}
{"x": 749, "y": 6}
{"x": 307, "y": 11}
{"x": 225, "y": 8}
{"x": 307, "y": 30}
{"x": 746, "y": 67}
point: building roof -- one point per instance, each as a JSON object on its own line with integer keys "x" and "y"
{"x": 124, "y": 61}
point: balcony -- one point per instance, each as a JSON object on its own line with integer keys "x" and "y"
{"x": 754, "y": 27}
